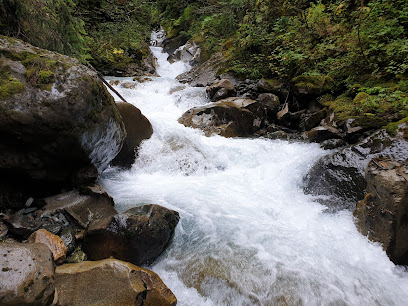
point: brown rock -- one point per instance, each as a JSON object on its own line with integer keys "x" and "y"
{"x": 138, "y": 128}
{"x": 228, "y": 117}
{"x": 26, "y": 275}
{"x": 322, "y": 133}
{"x": 53, "y": 242}
{"x": 220, "y": 90}
{"x": 138, "y": 236}
{"x": 383, "y": 214}
{"x": 110, "y": 282}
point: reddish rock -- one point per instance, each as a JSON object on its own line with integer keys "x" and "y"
{"x": 53, "y": 242}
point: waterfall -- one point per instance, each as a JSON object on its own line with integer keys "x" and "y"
{"x": 248, "y": 235}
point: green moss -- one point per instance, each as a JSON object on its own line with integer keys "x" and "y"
{"x": 8, "y": 84}
{"x": 45, "y": 77}
{"x": 314, "y": 83}
{"x": 361, "y": 98}
{"x": 392, "y": 128}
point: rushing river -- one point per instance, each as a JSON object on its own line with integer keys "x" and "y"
{"x": 247, "y": 235}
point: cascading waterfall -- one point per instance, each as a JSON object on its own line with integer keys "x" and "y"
{"x": 248, "y": 235}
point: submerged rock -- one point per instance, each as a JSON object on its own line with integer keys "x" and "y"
{"x": 110, "y": 282}
{"x": 138, "y": 128}
{"x": 228, "y": 117}
{"x": 57, "y": 124}
{"x": 139, "y": 235}
{"x": 53, "y": 242}
{"x": 383, "y": 214}
{"x": 26, "y": 275}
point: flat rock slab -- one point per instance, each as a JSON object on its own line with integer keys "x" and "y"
{"x": 110, "y": 282}
{"x": 26, "y": 274}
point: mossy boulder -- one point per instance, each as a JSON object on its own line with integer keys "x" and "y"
{"x": 313, "y": 84}
{"x": 58, "y": 124}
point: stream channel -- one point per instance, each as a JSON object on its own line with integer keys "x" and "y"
{"x": 248, "y": 235}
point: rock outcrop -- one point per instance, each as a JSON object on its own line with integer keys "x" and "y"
{"x": 138, "y": 236}
{"x": 383, "y": 214}
{"x": 26, "y": 275}
{"x": 138, "y": 128}
{"x": 58, "y": 124}
{"x": 110, "y": 282}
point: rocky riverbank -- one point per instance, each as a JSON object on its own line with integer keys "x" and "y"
{"x": 60, "y": 129}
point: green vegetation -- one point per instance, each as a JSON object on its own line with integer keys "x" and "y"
{"x": 354, "y": 50}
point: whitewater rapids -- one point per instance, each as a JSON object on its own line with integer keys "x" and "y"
{"x": 248, "y": 235}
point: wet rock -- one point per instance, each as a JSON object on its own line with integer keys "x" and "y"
{"x": 383, "y": 214}
{"x": 205, "y": 73}
{"x": 59, "y": 121}
{"x": 228, "y": 117}
{"x": 220, "y": 90}
{"x": 312, "y": 120}
{"x": 172, "y": 44}
{"x": 189, "y": 53}
{"x": 53, "y": 242}
{"x": 129, "y": 85}
{"x": 138, "y": 128}
{"x": 266, "y": 107}
{"x": 290, "y": 119}
{"x": 338, "y": 178}
{"x": 68, "y": 237}
{"x": 322, "y": 133}
{"x": 80, "y": 206}
{"x": 77, "y": 257}
{"x": 330, "y": 144}
{"x": 23, "y": 225}
{"x": 110, "y": 282}
{"x": 138, "y": 236}
{"x": 26, "y": 275}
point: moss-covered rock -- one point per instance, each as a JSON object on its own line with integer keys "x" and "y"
{"x": 57, "y": 121}
{"x": 313, "y": 84}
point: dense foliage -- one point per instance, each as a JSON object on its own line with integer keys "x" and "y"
{"x": 362, "y": 45}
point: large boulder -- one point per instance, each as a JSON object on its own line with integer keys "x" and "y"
{"x": 110, "y": 282}
{"x": 383, "y": 214}
{"x": 339, "y": 176}
{"x": 26, "y": 275}
{"x": 228, "y": 117}
{"x": 138, "y": 128}
{"x": 138, "y": 236}
{"x": 59, "y": 125}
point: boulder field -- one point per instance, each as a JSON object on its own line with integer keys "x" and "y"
{"x": 60, "y": 128}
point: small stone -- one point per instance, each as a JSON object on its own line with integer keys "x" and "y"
{"x": 54, "y": 243}
{"x": 77, "y": 257}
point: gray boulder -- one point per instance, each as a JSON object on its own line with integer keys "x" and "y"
{"x": 58, "y": 123}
